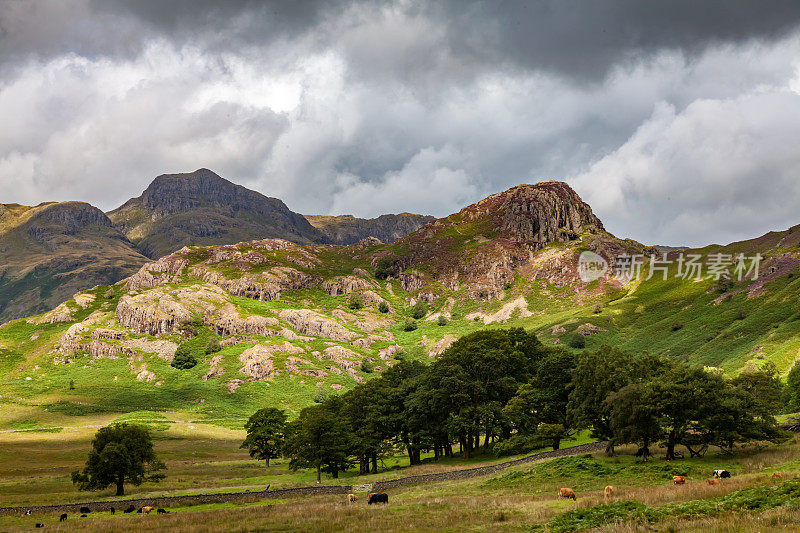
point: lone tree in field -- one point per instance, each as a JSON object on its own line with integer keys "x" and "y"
{"x": 265, "y": 434}
{"x": 120, "y": 453}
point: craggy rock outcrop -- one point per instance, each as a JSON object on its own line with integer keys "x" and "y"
{"x": 311, "y": 323}
{"x": 230, "y": 322}
{"x": 266, "y": 286}
{"x": 387, "y": 353}
{"x": 441, "y": 345}
{"x": 368, "y": 341}
{"x": 345, "y": 359}
{"x": 156, "y": 310}
{"x": 258, "y": 362}
{"x": 166, "y": 270}
{"x": 345, "y": 285}
{"x": 214, "y": 368}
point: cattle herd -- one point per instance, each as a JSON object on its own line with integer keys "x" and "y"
{"x": 382, "y": 497}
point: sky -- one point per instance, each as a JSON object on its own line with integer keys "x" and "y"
{"x": 677, "y": 121}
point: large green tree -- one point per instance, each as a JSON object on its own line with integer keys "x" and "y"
{"x": 320, "y": 439}
{"x": 120, "y": 453}
{"x": 265, "y": 434}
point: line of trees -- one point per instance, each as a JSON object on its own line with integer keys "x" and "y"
{"x": 503, "y": 390}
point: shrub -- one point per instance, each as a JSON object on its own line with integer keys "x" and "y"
{"x": 213, "y": 346}
{"x": 183, "y": 358}
{"x": 320, "y": 396}
{"x": 385, "y": 267}
{"x": 419, "y": 310}
{"x": 400, "y": 356}
{"x": 741, "y": 314}
{"x": 442, "y": 321}
{"x": 366, "y": 366}
{"x": 356, "y": 302}
{"x": 410, "y": 325}
{"x": 383, "y": 307}
{"x": 577, "y": 341}
{"x": 676, "y": 326}
{"x": 71, "y": 385}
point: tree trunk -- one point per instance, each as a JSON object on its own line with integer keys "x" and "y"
{"x": 319, "y": 473}
{"x": 374, "y": 463}
{"x": 335, "y": 474}
{"x": 556, "y": 442}
{"x": 121, "y": 485}
{"x": 267, "y": 462}
{"x": 610, "y": 448}
{"x": 671, "y": 446}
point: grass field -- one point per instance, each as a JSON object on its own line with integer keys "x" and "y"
{"x": 34, "y": 468}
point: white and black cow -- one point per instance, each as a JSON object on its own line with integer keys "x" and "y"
{"x": 721, "y": 474}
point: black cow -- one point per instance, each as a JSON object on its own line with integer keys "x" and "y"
{"x": 113, "y": 510}
{"x": 161, "y": 511}
{"x": 63, "y": 517}
{"x": 39, "y": 525}
{"x": 130, "y": 509}
{"x": 27, "y": 512}
{"x": 378, "y": 497}
{"x": 83, "y": 516}
{"x": 721, "y": 474}
{"x": 85, "y": 510}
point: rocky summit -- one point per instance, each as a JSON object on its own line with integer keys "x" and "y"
{"x": 289, "y": 322}
{"x": 347, "y": 229}
{"x": 199, "y": 208}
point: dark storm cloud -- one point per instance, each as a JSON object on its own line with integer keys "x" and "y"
{"x": 369, "y": 107}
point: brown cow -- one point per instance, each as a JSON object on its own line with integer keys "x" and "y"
{"x": 352, "y": 498}
{"x": 148, "y": 509}
{"x": 678, "y": 480}
{"x": 777, "y": 475}
{"x": 608, "y": 492}
{"x": 567, "y": 493}
{"x": 712, "y": 481}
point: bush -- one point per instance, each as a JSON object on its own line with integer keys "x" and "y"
{"x": 400, "y": 356}
{"x": 366, "y": 366}
{"x": 741, "y": 314}
{"x": 577, "y": 341}
{"x": 677, "y": 325}
{"x": 183, "y": 358}
{"x": 383, "y": 307}
{"x": 213, "y": 346}
{"x": 419, "y": 310}
{"x": 515, "y": 445}
{"x": 442, "y": 321}
{"x": 410, "y": 325}
{"x": 356, "y": 302}
{"x": 385, "y": 267}
{"x": 320, "y": 396}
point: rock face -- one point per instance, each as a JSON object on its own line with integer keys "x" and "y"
{"x": 201, "y": 208}
{"x": 51, "y": 251}
{"x": 312, "y": 323}
{"x": 347, "y": 229}
{"x": 157, "y": 310}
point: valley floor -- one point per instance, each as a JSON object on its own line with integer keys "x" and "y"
{"x": 35, "y": 467}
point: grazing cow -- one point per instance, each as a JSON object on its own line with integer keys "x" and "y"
{"x": 378, "y": 497}
{"x": 130, "y": 509}
{"x": 113, "y": 510}
{"x": 147, "y": 509}
{"x": 161, "y": 511}
{"x": 85, "y": 510}
{"x": 63, "y": 517}
{"x": 678, "y": 480}
{"x": 352, "y": 498}
{"x": 27, "y": 512}
{"x": 721, "y": 474}
{"x": 608, "y": 492}
{"x": 39, "y": 525}
{"x": 712, "y": 481}
{"x": 83, "y": 516}
{"x": 777, "y": 475}
{"x": 567, "y": 493}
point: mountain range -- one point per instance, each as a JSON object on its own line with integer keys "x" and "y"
{"x": 49, "y": 252}
{"x": 273, "y": 322}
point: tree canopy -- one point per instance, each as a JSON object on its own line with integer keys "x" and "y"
{"x": 120, "y": 453}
